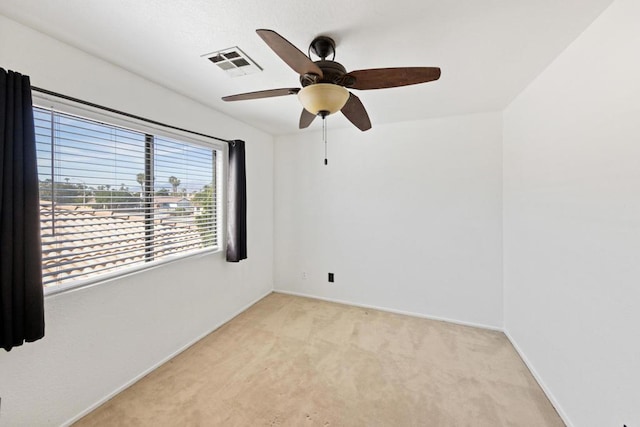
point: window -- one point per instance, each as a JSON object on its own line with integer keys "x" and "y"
{"x": 113, "y": 199}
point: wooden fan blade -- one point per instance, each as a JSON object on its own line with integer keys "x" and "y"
{"x": 381, "y": 78}
{"x": 262, "y": 94}
{"x": 355, "y": 112}
{"x": 290, "y": 54}
{"x": 305, "y": 119}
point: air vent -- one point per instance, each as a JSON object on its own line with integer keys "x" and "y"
{"x": 233, "y": 61}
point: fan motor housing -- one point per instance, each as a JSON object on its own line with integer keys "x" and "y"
{"x": 333, "y": 72}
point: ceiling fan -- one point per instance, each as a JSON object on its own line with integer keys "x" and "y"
{"x": 325, "y": 82}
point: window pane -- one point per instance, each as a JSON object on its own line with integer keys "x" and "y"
{"x": 102, "y": 210}
{"x": 184, "y": 194}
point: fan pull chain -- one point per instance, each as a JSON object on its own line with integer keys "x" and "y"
{"x": 324, "y": 138}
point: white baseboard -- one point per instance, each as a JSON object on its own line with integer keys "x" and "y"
{"x": 128, "y": 384}
{"x": 541, "y": 383}
{"x": 391, "y": 310}
{"x": 160, "y": 363}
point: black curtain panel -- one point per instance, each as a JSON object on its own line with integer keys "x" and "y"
{"x": 21, "y": 293}
{"x": 237, "y": 204}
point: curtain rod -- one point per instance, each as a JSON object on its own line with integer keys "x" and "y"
{"x": 122, "y": 113}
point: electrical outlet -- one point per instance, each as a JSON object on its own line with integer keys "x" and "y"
{"x": 330, "y": 277}
{"x": 304, "y": 275}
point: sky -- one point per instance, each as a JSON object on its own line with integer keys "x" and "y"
{"x": 92, "y": 153}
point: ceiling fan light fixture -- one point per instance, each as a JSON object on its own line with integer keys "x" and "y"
{"x": 326, "y": 98}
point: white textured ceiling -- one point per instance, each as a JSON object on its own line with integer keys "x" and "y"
{"x": 489, "y": 50}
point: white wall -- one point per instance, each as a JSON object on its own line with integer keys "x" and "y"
{"x": 572, "y": 223}
{"x": 407, "y": 216}
{"x": 100, "y": 338}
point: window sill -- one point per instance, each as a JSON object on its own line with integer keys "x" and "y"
{"x": 105, "y": 278}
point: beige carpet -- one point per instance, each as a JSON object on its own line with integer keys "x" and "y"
{"x": 294, "y": 361}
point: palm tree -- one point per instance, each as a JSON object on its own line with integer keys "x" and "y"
{"x": 175, "y": 182}
{"x": 140, "y": 178}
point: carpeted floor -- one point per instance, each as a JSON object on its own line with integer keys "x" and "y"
{"x": 295, "y": 361}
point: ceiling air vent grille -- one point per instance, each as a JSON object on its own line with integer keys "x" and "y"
{"x": 233, "y": 61}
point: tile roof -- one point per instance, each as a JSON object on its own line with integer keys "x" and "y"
{"x": 91, "y": 242}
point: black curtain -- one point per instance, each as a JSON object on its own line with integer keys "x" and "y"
{"x": 21, "y": 293}
{"x": 237, "y": 205}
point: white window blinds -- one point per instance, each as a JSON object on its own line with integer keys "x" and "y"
{"x": 113, "y": 198}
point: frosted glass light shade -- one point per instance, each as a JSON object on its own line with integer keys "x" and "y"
{"x": 323, "y": 97}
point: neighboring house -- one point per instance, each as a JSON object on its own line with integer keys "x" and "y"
{"x": 167, "y": 202}
{"x": 171, "y": 204}
{"x": 184, "y": 203}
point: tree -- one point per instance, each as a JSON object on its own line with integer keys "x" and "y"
{"x": 107, "y": 198}
{"x": 64, "y": 193}
{"x": 141, "y": 179}
{"x": 204, "y": 199}
{"x": 46, "y": 189}
{"x": 162, "y": 192}
{"x": 175, "y": 182}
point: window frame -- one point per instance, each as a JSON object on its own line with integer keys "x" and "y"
{"x": 50, "y": 102}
